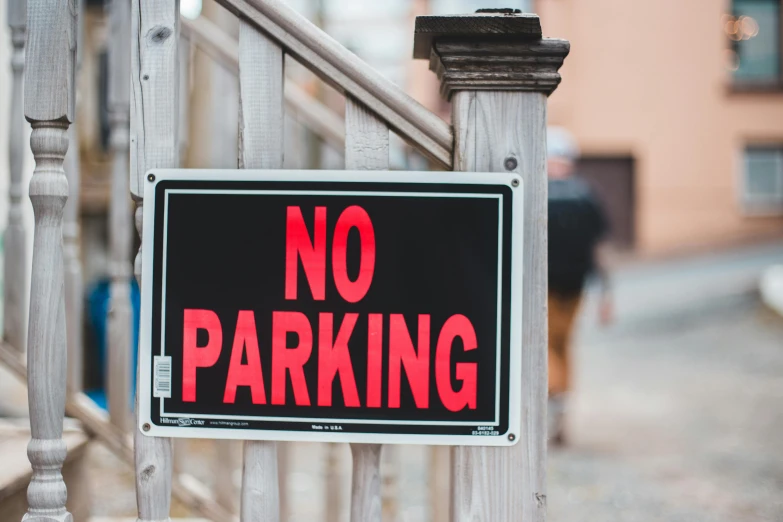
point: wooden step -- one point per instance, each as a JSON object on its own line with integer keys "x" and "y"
{"x": 126, "y": 519}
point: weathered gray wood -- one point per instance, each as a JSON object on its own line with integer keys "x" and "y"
{"x": 227, "y": 462}
{"x": 500, "y": 115}
{"x": 260, "y": 147}
{"x": 366, "y": 138}
{"x": 74, "y": 287}
{"x": 333, "y": 483}
{"x": 154, "y": 89}
{"x": 186, "y": 49}
{"x": 120, "y": 324}
{"x": 96, "y": 423}
{"x": 390, "y": 482}
{"x": 15, "y": 285}
{"x": 74, "y": 281}
{"x": 469, "y": 26}
{"x": 366, "y": 148}
{"x": 180, "y": 446}
{"x": 424, "y": 130}
{"x": 528, "y": 65}
{"x": 154, "y": 144}
{"x": 366, "y": 483}
{"x": 49, "y": 109}
{"x": 439, "y": 483}
{"x": 308, "y": 110}
{"x": 499, "y": 484}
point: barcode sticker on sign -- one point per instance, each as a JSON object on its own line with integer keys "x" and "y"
{"x": 162, "y": 381}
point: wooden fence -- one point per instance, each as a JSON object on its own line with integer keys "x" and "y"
{"x": 496, "y": 69}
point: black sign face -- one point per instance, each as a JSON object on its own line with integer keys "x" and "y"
{"x": 332, "y": 306}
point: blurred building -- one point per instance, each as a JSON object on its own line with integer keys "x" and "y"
{"x": 677, "y": 105}
{"x": 678, "y": 109}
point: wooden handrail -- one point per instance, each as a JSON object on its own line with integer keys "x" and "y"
{"x": 316, "y": 116}
{"x": 346, "y": 72}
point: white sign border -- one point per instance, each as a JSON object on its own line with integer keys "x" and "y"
{"x": 512, "y": 180}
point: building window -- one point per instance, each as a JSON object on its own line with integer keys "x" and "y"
{"x": 754, "y": 30}
{"x": 763, "y": 180}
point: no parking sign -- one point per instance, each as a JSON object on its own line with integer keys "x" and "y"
{"x": 332, "y": 306}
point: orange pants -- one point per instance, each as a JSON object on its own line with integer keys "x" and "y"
{"x": 562, "y": 312}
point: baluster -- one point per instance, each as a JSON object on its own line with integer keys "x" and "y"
{"x": 390, "y": 487}
{"x": 439, "y": 483}
{"x": 260, "y": 147}
{"x": 499, "y": 117}
{"x": 366, "y": 148}
{"x": 186, "y": 52}
{"x": 120, "y": 324}
{"x": 180, "y": 446}
{"x": 333, "y": 482}
{"x": 154, "y": 144}
{"x": 49, "y": 107}
{"x": 74, "y": 286}
{"x": 15, "y": 238}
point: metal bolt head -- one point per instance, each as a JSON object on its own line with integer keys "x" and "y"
{"x": 146, "y": 426}
{"x": 515, "y": 182}
{"x": 151, "y": 177}
{"x": 512, "y": 437}
{"x": 510, "y": 163}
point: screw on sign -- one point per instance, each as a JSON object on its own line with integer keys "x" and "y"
{"x": 348, "y": 307}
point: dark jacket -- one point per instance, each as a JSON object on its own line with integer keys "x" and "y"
{"x": 576, "y": 224}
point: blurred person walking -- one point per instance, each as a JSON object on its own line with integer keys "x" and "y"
{"x": 577, "y": 224}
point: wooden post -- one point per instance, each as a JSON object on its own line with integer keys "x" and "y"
{"x": 497, "y": 71}
{"x": 74, "y": 286}
{"x": 260, "y": 147}
{"x": 49, "y": 107}
{"x": 154, "y": 144}
{"x": 390, "y": 482}
{"x": 15, "y": 237}
{"x": 366, "y": 148}
{"x": 440, "y": 472}
{"x": 120, "y": 324}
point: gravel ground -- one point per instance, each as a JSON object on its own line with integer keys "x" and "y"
{"x": 676, "y": 421}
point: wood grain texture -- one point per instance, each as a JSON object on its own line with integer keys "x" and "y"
{"x": 186, "y": 49}
{"x": 51, "y": 47}
{"x": 390, "y": 482}
{"x": 74, "y": 286}
{"x": 46, "y": 353}
{"x": 316, "y": 116}
{"x": 333, "y": 486}
{"x": 154, "y": 144}
{"x": 15, "y": 473}
{"x": 366, "y": 138}
{"x": 366, "y": 148}
{"x": 74, "y": 281}
{"x": 96, "y": 423}
{"x": 501, "y": 484}
{"x": 49, "y": 109}
{"x": 15, "y": 282}
{"x": 429, "y": 28}
{"x": 498, "y": 65}
{"x": 336, "y": 65}
{"x": 440, "y": 483}
{"x": 154, "y": 89}
{"x": 227, "y": 461}
{"x": 366, "y": 483}
{"x": 260, "y": 147}
{"x": 120, "y": 323}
